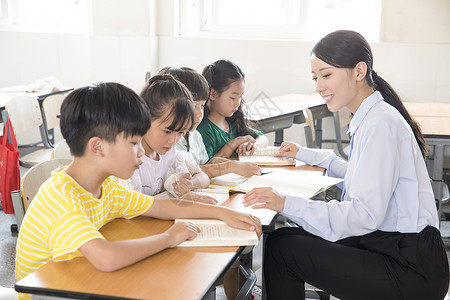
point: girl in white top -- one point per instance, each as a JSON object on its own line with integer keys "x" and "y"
{"x": 380, "y": 240}
{"x": 192, "y": 141}
{"x": 163, "y": 167}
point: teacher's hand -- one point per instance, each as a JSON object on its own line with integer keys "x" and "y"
{"x": 265, "y": 197}
{"x": 288, "y": 149}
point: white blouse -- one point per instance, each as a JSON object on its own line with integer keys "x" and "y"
{"x": 196, "y": 147}
{"x": 386, "y": 183}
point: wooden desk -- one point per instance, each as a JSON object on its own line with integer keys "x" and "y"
{"x": 279, "y": 113}
{"x": 179, "y": 273}
{"x": 434, "y": 120}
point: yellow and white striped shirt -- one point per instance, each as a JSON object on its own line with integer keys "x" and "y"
{"x": 63, "y": 216}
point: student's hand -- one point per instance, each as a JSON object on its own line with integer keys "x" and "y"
{"x": 241, "y": 220}
{"x": 199, "y": 198}
{"x": 183, "y": 185}
{"x": 288, "y": 149}
{"x": 246, "y": 168}
{"x": 180, "y": 232}
{"x": 265, "y": 197}
{"x": 236, "y": 142}
{"x": 246, "y": 148}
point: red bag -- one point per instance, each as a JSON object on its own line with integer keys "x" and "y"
{"x": 9, "y": 167}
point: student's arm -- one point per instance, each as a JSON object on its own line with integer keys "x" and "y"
{"x": 169, "y": 209}
{"x": 109, "y": 256}
{"x": 242, "y": 168}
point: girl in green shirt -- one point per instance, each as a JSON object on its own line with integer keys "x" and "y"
{"x": 223, "y": 128}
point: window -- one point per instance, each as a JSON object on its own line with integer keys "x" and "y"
{"x": 67, "y": 16}
{"x": 299, "y": 19}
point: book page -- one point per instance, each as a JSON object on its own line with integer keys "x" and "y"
{"x": 218, "y": 233}
{"x": 230, "y": 179}
{"x": 265, "y": 157}
{"x": 293, "y": 183}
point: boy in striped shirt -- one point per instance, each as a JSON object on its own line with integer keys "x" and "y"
{"x": 103, "y": 125}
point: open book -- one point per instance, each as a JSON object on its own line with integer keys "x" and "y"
{"x": 216, "y": 233}
{"x": 264, "y": 157}
{"x": 294, "y": 183}
{"x": 230, "y": 179}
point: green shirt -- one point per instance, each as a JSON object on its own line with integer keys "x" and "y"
{"x": 215, "y": 138}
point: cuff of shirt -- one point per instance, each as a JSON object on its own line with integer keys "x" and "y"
{"x": 294, "y": 207}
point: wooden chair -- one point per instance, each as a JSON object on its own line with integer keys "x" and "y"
{"x": 51, "y": 107}
{"x": 341, "y": 120}
{"x": 62, "y": 150}
{"x": 25, "y": 115}
{"x": 30, "y": 184}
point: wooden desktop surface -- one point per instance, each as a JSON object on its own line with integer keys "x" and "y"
{"x": 434, "y": 118}
{"x": 178, "y": 273}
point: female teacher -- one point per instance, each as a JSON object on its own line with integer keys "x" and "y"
{"x": 380, "y": 241}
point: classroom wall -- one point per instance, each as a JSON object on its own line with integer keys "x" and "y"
{"x": 129, "y": 38}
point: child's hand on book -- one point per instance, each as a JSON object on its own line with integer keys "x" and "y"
{"x": 247, "y": 148}
{"x": 265, "y": 197}
{"x": 180, "y": 232}
{"x": 183, "y": 185}
{"x": 242, "y": 221}
{"x": 288, "y": 149}
{"x": 246, "y": 169}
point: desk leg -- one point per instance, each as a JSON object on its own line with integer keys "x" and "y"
{"x": 319, "y": 133}
{"x": 437, "y": 175}
{"x": 263, "y": 285}
{"x": 279, "y": 136}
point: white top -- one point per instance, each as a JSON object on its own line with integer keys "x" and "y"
{"x": 386, "y": 183}
{"x": 153, "y": 173}
{"x": 197, "y": 148}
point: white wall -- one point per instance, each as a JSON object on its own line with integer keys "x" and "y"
{"x": 122, "y": 50}
{"x": 415, "y": 63}
{"x": 129, "y": 38}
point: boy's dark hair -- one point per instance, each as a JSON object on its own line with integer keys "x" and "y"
{"x": 195, "y": 82}
{"x": 104, "y": 110}
{"x": 220, "y": 75}
{"x": 168, "y": 98}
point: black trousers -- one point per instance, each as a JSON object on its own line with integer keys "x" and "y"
{"x": 379, "y": 265}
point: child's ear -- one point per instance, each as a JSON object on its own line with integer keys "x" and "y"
{"x": 213, "y": 94}
{"x": 96, "y": 146}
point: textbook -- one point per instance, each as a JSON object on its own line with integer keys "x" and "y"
{"x": 221, "y": 195}
{"x": 216, "y": 233}
{"x": 230, "y": 180}
{"x": 294, "y": 183}
{"x": 265, "y": 157}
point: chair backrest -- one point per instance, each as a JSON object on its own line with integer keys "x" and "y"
{"x": 24, "y": 113}
{"x": 34, "y": 177}
{"x": 51, "y": 109}
{"x": 62, "y": 150}
{"x": 310, "y": 128}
